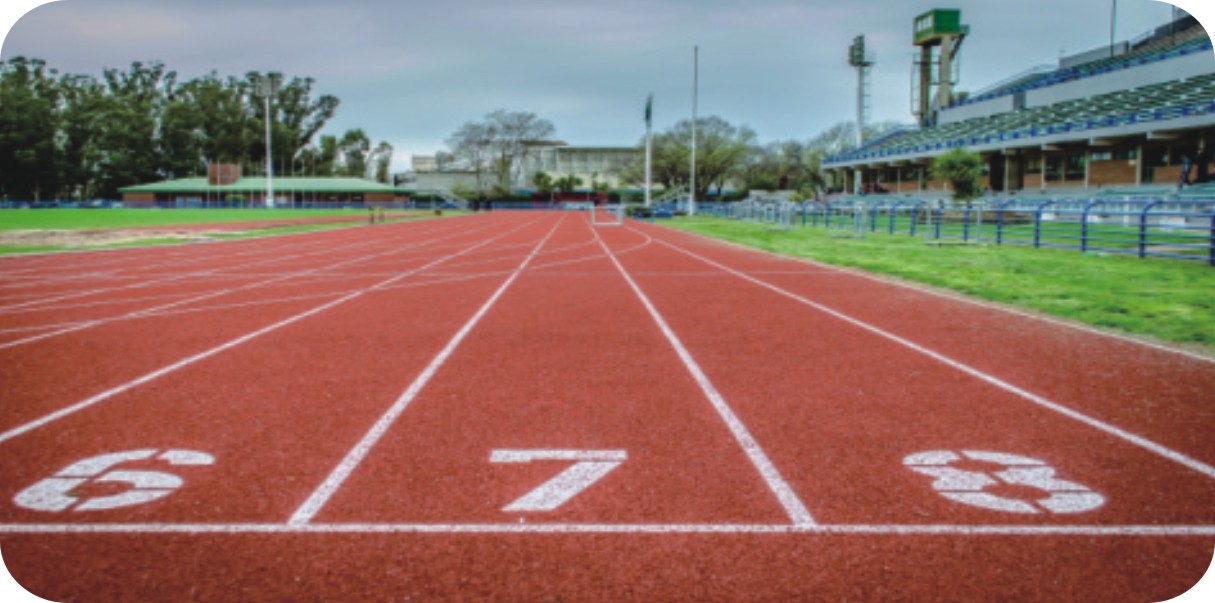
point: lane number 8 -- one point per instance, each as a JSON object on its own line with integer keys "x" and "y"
{"x": 968, "y": 487}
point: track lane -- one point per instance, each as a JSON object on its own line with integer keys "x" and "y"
{"x": 915, "y": 403}
{"x": 377, "y": 561}
{"x": 49, "y": 373}
{"x": 1159, "y": 394}
{"x": 626, "y": 396}
{"x": 270, "y": 411}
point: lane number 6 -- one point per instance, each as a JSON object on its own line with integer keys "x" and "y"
{"x": 54, "y": 494}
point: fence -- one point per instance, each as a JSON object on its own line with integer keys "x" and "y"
{"x": 1175, "y": 228}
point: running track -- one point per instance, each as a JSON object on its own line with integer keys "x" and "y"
{"x": 518, "y": 406}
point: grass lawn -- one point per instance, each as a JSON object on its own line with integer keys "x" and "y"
{"x": 88, "y": 219}
{"x": 118, "y": 219}
{"x": 1170, "y": 300}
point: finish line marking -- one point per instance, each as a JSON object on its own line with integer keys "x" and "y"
{"x": 578, "y": 528}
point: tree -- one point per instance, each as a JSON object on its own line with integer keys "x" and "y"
{"x": 129, "y": 119}
{"x": 353, "y": 150}
{"x": 962, "y": 169}
{"x": 785, "y": 165}
{"x": 544, "y": 183}
{"x": 381, "y": 158}
{"x": 29, "y": 120}
{"x": 79, "y": 136}
{"x": 471, "y": 144}
{"x": 496, "y": 147}
{"x": 81, "y": 100}
{"x": 567, "y": 184}
{"x": 721, "y": 149}
{"x": 514, "y": 133}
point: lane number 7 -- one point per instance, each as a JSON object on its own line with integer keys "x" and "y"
{"x": 589, "y": 467}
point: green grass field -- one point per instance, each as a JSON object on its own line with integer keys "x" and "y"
{"x": 87, "y": 219}
{"x": 117, "y": 219}
{"x": 1170, "y": 300}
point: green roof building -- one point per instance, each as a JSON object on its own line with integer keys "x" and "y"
{"x": 224, "y": 186}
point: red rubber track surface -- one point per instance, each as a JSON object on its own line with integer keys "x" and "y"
{"x": 359, "y": 394}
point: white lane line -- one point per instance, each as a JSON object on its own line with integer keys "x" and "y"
{"x": 1117, "y": 432}
{"x": 83, "y": 404}
{"x": 793, "y": 506}
{"x": 960, "y": 297}
{"x": 972, "y": 530}
{"x": 158, "y": 310}
{"x": 281, "y": 255}
{"x": 346, "y": 467}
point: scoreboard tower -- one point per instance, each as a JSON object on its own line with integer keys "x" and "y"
{"x": 941, "y": 29}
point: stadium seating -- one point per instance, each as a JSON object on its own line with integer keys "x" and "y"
{"x": 1158, "y": 102}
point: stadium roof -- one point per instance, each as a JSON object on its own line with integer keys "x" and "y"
{"x": 253, "y": 185}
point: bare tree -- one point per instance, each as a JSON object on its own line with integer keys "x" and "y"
{"x": 471, "y": 144}
{"x": 498, "y": 146}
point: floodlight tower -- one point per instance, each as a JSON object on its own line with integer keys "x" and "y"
{"x": 943, "y": 28}
{"x": 862, "y": 60}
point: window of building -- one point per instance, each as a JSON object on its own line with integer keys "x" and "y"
{"x": 1053, "y": 168}
{"x": 1074, "y": 167}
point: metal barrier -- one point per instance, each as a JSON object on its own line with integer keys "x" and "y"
{"x": 1163, "y": 227}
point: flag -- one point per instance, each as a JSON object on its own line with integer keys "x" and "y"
{"x": 649, "y": 109}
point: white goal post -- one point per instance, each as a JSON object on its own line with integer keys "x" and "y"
{"x": 607, "y": 215}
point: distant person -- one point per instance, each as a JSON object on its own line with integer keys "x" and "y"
{"x": 1202, "y": 166}
{"x": 1184, "y": 178}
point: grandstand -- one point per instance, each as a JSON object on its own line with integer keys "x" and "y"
{"x": 1123, "y": 116}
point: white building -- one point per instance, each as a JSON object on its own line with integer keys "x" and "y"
{"x": 557, "y": 159}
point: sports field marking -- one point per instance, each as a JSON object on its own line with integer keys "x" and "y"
{"x": 143, "y": 284}
{"x": 974, "y": 530}
{"x": 213, "y": 294}
{"x": 968, "y": 487}
{"x": 295, "y": 252}
{"x": 974, "y": 302}
{"x": 101, "y": 397}
{"x": 54, "y": 494}
{"x": 589, "y": 467}
{"x": 1117, "y": 432}
{"x": 338, "y": 476}
{"x": 793, "y": 506}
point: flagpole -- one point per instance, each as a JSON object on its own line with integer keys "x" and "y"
{"x": 649, "y": 143}
{"x": 695, "y": 89}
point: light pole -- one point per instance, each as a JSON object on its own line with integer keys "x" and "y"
{"x": 649, "y": 141}
{"x": 695, "y": 91}
{"x": 266, "y": 88}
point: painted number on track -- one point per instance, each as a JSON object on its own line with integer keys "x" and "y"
{"x": 589, "y": 467}
{"x": 1061, "y": 496}
{"x": 54, "y": 494}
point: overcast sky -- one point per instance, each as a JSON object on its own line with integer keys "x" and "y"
{"x": 411, "y": 72}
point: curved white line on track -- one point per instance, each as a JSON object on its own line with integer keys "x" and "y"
{"x": 1109, "y": 429}
{"x": 788, "y": 499}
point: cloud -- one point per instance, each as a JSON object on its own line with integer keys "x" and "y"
{"x": 411, "y": 72}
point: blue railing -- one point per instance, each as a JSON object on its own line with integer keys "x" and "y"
{"x": 1161, "y": 227}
